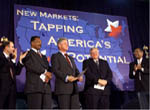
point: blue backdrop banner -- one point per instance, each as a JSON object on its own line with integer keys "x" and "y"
{"x": 83, "y": 30}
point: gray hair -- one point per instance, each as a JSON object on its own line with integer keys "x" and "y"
{"x": 60, "y": 40}
{"x": 93, "y": 49}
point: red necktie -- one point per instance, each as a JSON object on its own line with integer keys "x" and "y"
{"x": 39, "y": 54}
{"x": 67, "y": 58}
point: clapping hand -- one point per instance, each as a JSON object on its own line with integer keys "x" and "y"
{"x": 137, "y": 67}
{"x": 80, "y": 78}
{"x": 14, "y": 54}
{"x": 22, "y": 56}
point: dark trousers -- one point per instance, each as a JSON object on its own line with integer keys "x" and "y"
{"x": 143, "y": 98}
{"x": 69, "y": 101}
{"x": 8, "y": 97}
{"x": 39, "y": 101}
{"x": 94, "y": 101}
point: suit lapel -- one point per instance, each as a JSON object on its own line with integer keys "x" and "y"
{"x": 135, "y": 62}
{"x": 63, "y": 58}
{"x": 7, "y": 60}
{"x": 100, "y": 64}
{"x": 4, "y": 57}
{"x": 39, "y": 58}
{"x": 10, "y": 63}
{"x": 142, "y": 63}
{"x": 72, "y": 62}
{"x": 93, "y": 64}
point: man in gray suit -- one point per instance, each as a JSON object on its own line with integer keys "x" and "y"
{"x": 66, "y": 74}
{"x": 38, "y": 75}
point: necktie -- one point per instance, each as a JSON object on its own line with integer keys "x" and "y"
{"x": 11, "y": 72}
{"x": 39, "y": 54}
{"x": 97, "y": 63}
{"x": 67, "y": 58}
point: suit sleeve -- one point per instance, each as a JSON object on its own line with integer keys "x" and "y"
{"x": 131, "y": 69}
{"x": 88, "y": 74}
{"x": 1, "y": 62}
{"x": 76, "y": 69}
{"x": 18, "y": 68}
{"x": 49, "y": 67}
{"x": 31, "y": 66}
{"x": 109, "y": 73}
{"x": 55, "y": 68}
{"x": 146, "y": 67}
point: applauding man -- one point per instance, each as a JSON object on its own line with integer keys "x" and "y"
{"x": 66, "y": 74}
{"x": 8, "y": 72}
{"x": 139, "y": 71}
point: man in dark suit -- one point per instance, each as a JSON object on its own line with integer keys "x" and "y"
{"x": 38, "y": 75}
{"x": 97, "y": 81}
{"x": 139, "y": 71}
{"x": 8, "y": 72}
{"x": 66, "y": 74}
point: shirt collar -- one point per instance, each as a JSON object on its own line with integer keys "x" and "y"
{"x": 7, "y": 56}
{"x": 95, "y": 60}
{"x": 63, "y": 53}
{"x": 35, "y": 50}
{"x": 139, "y": 60}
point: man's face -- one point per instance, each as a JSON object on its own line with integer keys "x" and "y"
{"x": 63, "y": 45}
{"x": 36, "y": 43}
{"x": 138, "y": 53}
{"x": 10, "y": 48}
{"x": 95, "y": 53}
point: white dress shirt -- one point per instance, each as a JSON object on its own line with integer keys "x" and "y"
{"x": 96, "y": 61}
{"x": 7, "y": 56}
{"x": 35, "y": 50}
{"x": 139, "y": 61}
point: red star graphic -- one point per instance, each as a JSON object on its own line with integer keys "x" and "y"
{"x": 48, "y": 59}
{"x": 115, "y": 31}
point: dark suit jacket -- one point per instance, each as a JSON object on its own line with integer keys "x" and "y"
{"x": 35, "y": 66}
{"x": 94, "y": 73}
{"x": 61, "y": 68}
{"x": 143, "y": 84}
{"x": 6, "y": 81}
